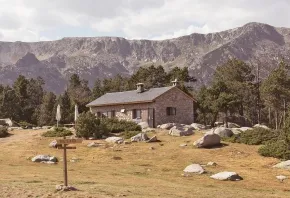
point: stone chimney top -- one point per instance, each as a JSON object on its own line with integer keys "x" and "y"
{"x": 140, "y": 87}
{"x": 175, "y": 82}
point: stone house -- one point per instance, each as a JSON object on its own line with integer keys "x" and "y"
{"x": 155, "y": 106}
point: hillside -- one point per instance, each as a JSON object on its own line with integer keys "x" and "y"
{"x": 102, "y": 57}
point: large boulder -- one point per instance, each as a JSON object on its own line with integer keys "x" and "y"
{"x": 140, "y": 137}
{"x": 181, "y": 130}
{"x": 232, "y": 125}
{"x": 222, "y": 132}
{"x": 208, "y": 141}
{"x": 117, "y": 140}
{"x": 261, "y": 126}
{"x": 237, "y": 131}
{"x": 197, "y": 126}
{"x": 223, "y": 176}
{"x": 44, "y": 158}
{"x": 144, "y": 125}
{"x": 194, "y": 168}
{"x": 167, "y": 126}
{"x": 283, "y": 165}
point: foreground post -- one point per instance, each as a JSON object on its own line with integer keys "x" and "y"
{"x": 64, "y": 164}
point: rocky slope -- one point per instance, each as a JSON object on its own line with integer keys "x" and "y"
{"x": 102, "y": 57}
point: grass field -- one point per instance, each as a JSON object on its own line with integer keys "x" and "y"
{"x": 135, "y": 170}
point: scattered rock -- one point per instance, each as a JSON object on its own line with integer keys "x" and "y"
{"x": 211, "y": 164}
{"x": 261, "y": 126}
{"x": 147, "y": 130}
{"x": 144, "y": 125}
{"x": 231, "y": 176}
{"x": 117, "y": 140}
{"x": 283, "y": 165}
{"x": 140, "y": 137}
{"x": 194, "y": 168}
{"x": 116, "y": 158}
{"x": 281, "y": 178}
{"x": 151, "y": 148}
{"x": 93, "y": 144}
{"x": 208, "y": 141}
{"x": 183, "y": 145}
{"x": 46, "y": 127}
{"x": 167, "y": 126}
{"x": 44, "y": 158}
{"x": 153, "y": 139}
{"x": 127, "y": 142}
{"x": 53, "y": 144}
{"x": 74, "y": 159}
{"x": 181, "y": 130}
{"x": 222, "y": 132}
{"x": 197, "y": 126}
{"x": 65, "y": 188}
{"x": 232, "y": 125}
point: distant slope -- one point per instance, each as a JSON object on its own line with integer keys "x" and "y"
{"x": 102, "y": 57}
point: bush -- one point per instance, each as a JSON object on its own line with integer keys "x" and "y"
{"x": 129, "y": 134}
{"x": 3, "y": 131}
{"x": 88, "y": 125}
{"x": 3, "y": 123}
{"x": 115, "y": 126}
{"x": 278, "y": 149}
{"x": 26, "y": 125}
{"x": 255, "y": 136}
{"x": 57, "y": 132}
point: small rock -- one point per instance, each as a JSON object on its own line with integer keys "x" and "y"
{"x": 151, "y": 148}
{"x": 223, "y": 176}
{"x": 194, "y": 168}
{"x": 281, "y": 178}
{"x": 208, "y": 141}
{"x": 65, "y": 188}
{"x": 53, "y": 144}
{"x": 197, "y": 126}
{"x": 44, "y": 158}
{"x": 181, "y": 130}
{"x": 153, "y": 139}
{"x": 116, "y": 158}
{"x": 93, "y": 144}
{"x": 211, "y": 164}
{"x": 183, "y": 145}
{"x": 117, "y": 140}
{"x": 140, "y": 137}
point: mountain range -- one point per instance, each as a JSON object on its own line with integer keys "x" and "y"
{"x": 103, "y": 57}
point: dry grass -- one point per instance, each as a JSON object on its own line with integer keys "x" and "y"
{"x": 135, "y": 170}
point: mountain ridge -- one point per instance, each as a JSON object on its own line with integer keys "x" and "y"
{"x": 103, "y": 57}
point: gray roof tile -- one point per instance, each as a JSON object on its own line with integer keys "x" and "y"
{"x": 129, "y": 96}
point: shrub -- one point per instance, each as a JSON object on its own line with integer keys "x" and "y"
{"x": 3, "y": 123}
{"x": 57, "y": 132}
{"x": 129, "y": 134}
{"x": 26, "y": 125}
{"x": 88, "y": 125}
{"x": 115, "y": 126}
{"x": 3, "y": 131}
{"x": 277, "y": 149}
{"x": 255, "y": 136}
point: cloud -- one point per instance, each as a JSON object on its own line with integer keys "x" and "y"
{"x": 34, "y": 20}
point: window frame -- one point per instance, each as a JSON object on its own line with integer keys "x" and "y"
{"x": 171, "y": 111}
{"x": 135, "y": 114}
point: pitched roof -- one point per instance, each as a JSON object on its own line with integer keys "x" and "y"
{"x": 129, "y": 97}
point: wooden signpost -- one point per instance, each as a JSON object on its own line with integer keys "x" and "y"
{"x": 62, "y": 144}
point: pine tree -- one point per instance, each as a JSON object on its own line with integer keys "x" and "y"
{"x": 46, "y": 112}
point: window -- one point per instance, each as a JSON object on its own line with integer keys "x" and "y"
{"x": 111, "y": 114}
{"x": 171, "y": 111}
{"x": 136, "y": 113}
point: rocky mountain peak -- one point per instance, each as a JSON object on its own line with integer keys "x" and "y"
{"x": 27, "y": 60}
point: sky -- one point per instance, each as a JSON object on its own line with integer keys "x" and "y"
{"x": 42, "y": 20}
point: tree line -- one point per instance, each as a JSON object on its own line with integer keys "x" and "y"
{"x": 27, "y": 101}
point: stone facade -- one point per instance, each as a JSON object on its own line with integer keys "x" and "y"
{"x": 174, "y": 98}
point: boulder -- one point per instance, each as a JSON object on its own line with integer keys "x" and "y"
{"x": 65, "y": 188}
{"x": 197, "y": 126}
{"x": 53, "y": 144}
{"x": 117, "y": 140}
{"x": 240, "y": 130}
{"x": 44, "y": 158}
{"x": 222, "y": 132}
{"x": 181, "y": 130}
{"x": 93, "y": 144}
{"x": 46, "y": 127}
{"x": 261, "y": 126}
{"x": 144, "y": 125}
{"x": 148, "y": 130}
{"x": 153, "y": 139}
{"x": 140, "y": 137}
{"x": 283, "y": 165}
{"x": 194, "y": 168}
{"x": 211, "y": 164}
{"x": 232, "y": 125}
{"x": 224, "y": 176}
{"x": 167, "y": 126}
{"x": 208, "y": 141}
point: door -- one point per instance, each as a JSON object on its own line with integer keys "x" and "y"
{"x": 151, "y": 119}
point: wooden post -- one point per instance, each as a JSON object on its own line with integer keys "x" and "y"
{"x": 64, "y": 164}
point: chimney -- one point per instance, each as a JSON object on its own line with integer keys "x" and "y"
{"x": 175, "y": 82}
{"x": 140, "y": 87}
